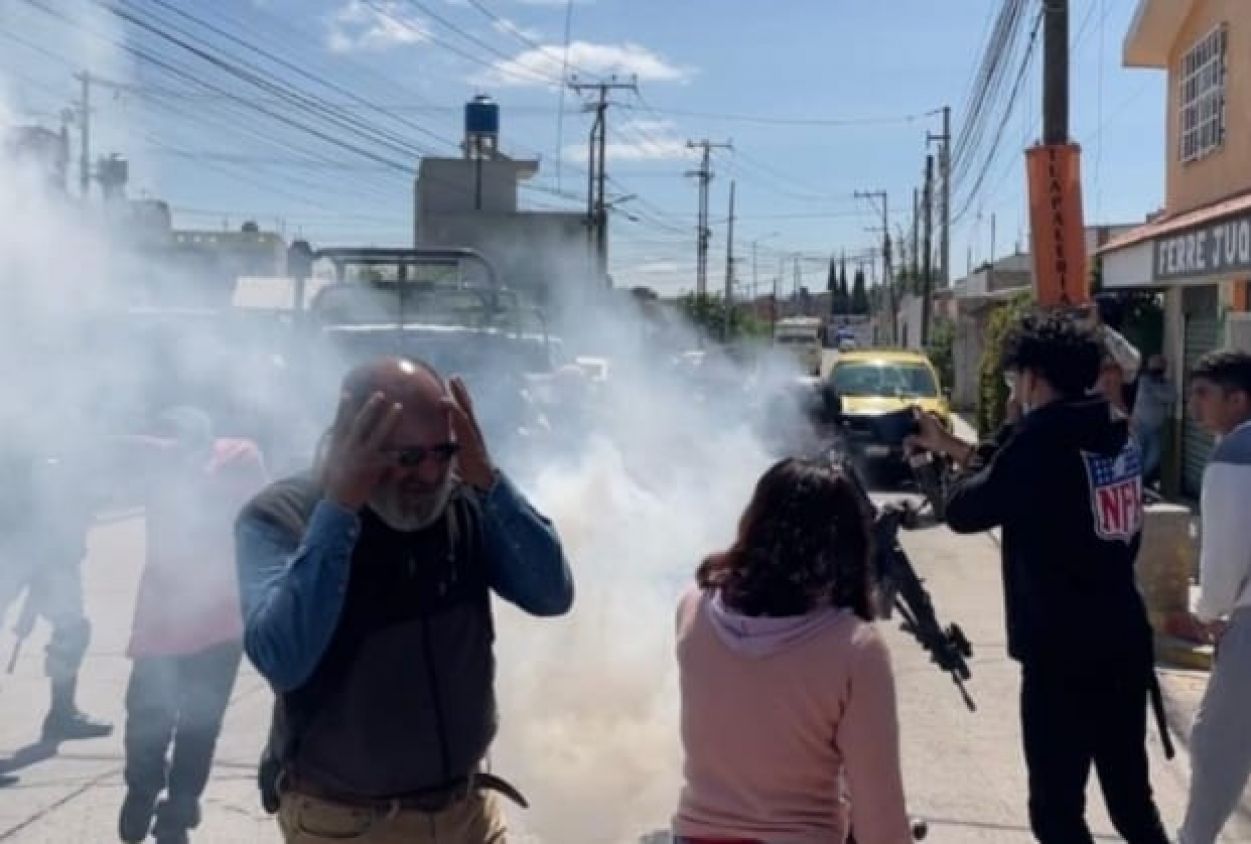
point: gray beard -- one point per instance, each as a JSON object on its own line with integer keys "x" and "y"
{"x": 415, "y": 516}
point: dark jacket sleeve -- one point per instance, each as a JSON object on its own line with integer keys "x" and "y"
{"x": 981, "y": 499}
{"x": 527, "y": 563}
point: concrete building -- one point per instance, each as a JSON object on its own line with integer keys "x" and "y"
{"x": 473, "y": 202}
{"x": 974, "y": 297}
{"x": 1197, "y": 251}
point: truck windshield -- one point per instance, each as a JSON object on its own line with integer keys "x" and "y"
{"x": 912, "y": 380}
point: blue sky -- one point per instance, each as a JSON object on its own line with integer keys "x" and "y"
{"x": 821, "y": 98}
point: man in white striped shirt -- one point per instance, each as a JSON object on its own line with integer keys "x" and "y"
{"x": 1220, "y": 401}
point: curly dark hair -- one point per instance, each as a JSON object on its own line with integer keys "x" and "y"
{"x": 1062, "y": 348}
{"x": 804, "y": 541}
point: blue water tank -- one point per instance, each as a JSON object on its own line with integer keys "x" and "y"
{"x": 482, "y": 116}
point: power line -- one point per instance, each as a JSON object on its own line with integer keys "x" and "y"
{"x": 468, "y": 36}
{"x": 258, "y": 78}
{"x": 300, "y": 71}
{"x": 987, "y": 95}
{"x": 770, "y": 120}
{"x": 1022, "y": 73}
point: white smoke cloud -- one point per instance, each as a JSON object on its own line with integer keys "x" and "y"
{"x": 589, "y": 703}
{"x": 542, "y": 65}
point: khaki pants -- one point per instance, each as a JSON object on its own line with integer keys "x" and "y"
{"x": 308, "y": 820}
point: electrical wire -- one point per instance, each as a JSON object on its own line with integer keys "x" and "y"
{"x": 770, "y": 120}
{"x": 1007, "y": 112}
{"x": 304, "y": 73}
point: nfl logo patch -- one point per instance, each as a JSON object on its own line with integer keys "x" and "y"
{"x": 1116, "y": 492}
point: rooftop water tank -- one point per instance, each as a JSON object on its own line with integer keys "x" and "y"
{"x": 482, "y": 117}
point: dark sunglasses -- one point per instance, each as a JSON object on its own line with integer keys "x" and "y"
{"x": 414, "y": 456}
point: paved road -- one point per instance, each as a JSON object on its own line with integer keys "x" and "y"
{"x": 963, "y": 769}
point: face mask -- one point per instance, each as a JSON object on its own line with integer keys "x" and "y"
{"x": 1016, "y": 384}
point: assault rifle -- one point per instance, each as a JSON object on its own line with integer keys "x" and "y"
{"x": 25, "y": 625}
{"x": 901, "y": 590}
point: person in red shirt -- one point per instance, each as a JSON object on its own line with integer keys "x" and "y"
{"x": 186, "y": 640}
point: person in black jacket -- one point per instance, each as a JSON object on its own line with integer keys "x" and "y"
{"x": 1064, "y": 483}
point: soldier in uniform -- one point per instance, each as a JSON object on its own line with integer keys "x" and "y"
{"x": 46, "y": 516}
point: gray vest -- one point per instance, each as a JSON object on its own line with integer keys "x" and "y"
{"x": 403, "y": 699}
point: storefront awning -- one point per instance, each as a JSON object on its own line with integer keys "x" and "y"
{"x": 1207, "y": 244}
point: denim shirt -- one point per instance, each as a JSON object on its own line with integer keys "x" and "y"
{"x": 293, "y": 588}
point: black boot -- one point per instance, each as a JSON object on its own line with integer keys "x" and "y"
{"x": 174, "y": 819}
{"x": 135, "y": 821}
{"x": 65, "y": 721}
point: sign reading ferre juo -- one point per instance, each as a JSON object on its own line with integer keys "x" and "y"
{"x": 1058, "y": 234}
{"x": 1221, "y": 247}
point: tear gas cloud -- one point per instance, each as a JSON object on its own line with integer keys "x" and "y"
{"x": 648, "y": 477}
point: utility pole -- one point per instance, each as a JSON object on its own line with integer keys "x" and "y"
{"x": 729, "y": 270}
{"x": 704, "y": 174}
{"x": 777, "y": 291}
{"x": 887, "y": 274}
{"x": 597, "y": 205}
{"x": 916, "y": 236}
{"x": 755, "y": 270}
{"x": 927, "y": 259}
{"x": 84, "y": 134}
{"x": 1055, "y": 71}
{"x": 990, "y": 272}
{"x": 944, "y": 173}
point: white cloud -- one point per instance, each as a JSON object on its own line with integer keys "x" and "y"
{"x": 505, "y": 27}
{"x": 372, "y": 28}
{"x": 543, "y": 65}
{"x": 645, "y": 140}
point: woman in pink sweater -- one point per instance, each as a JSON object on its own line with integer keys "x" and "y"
{"x": 788, "y": 703}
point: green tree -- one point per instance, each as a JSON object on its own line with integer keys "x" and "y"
{"x": 844, "y": 292}
{"x": 831, "y": 287}
{"x": 992, "y": 392}
{"x": 941, "y": 350}
{"x": 859, "y": 294}
{"x": 707, "y": 314}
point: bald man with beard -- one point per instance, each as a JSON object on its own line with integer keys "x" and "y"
{"x": 366, "y": 588}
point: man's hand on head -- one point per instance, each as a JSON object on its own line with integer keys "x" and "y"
{"x": 473, "y": 459}
{"x": 355, "y": 461}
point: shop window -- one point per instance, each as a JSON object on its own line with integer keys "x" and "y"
{"x": 1202, "y": 82}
